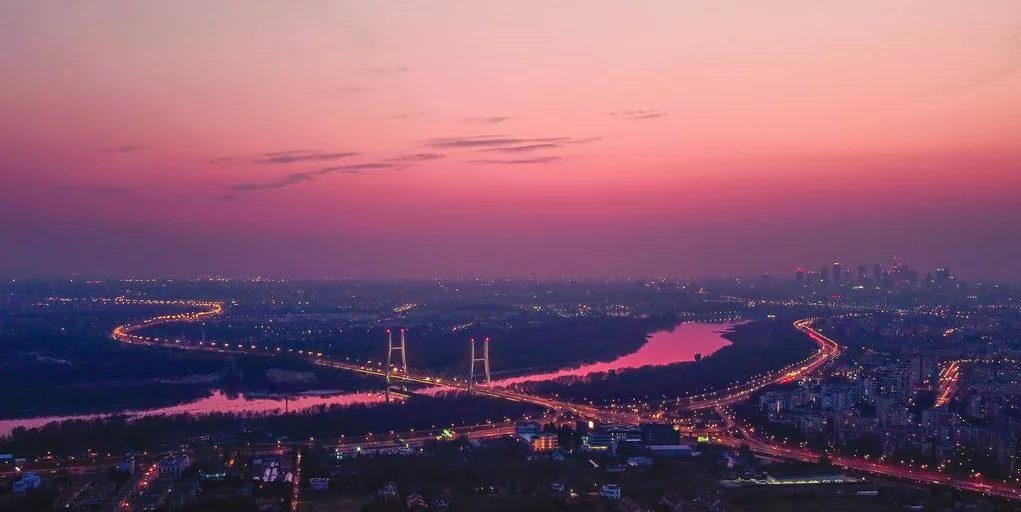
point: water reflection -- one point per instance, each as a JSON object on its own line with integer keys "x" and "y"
{"x": 662, "y": 348}
{"x": 218, "y": 402}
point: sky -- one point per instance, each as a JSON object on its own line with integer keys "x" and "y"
{"x": 591, "y": 138}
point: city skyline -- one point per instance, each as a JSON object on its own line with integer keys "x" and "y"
{"x": 522, "y": 140}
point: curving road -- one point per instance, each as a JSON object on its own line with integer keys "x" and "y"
{"x": 128, "y": 333}
{"x": 718, "y": 400}
{"x": 828, "y": 351}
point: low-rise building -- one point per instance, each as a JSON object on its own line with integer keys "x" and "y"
{"x": 28, "y": 482}
{"x": 598, "y": 440}
{"x": 319, "y": 483}
{"x": 174, "y": 466}
{"x": 672, "y": 450}
{"x": 611, "y": 491}
{"x": 543, "y": 443}
{"x": 660, "y": 434}
{"x": 527, "y": 430}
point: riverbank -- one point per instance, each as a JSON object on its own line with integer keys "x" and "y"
{"x": 755, "y": 347}
{"x": 681, "y": 342}
{"x": 120, "y": 434}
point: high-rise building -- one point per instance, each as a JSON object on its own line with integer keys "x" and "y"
{"x": 838, "y": 274}
{"x": 943, "y": 276}
{"x": 799, "y": 276}
{"x": 862, "y": 274}
{"x": 877, "y": 274}
{"x": 824, "y": 274}
{"x": 812, "y": 279}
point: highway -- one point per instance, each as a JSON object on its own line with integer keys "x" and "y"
{"x": 128, "y": 334}
{"x": 918, "y": 476}
{"x": 717, "y": 400}
{"x": 828, "y": 351}
{"x": 948, "y": 377}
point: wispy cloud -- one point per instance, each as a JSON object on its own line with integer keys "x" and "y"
{"x": 302, "y": 156}
{"x": 124, "y": 149}
{"x": 524, "y": 149}
{"x": 417, "y": 157}
{"x": 350, "y": 89}
{"x": 486, "y": 120}
{"x": 397, "y": 117}
{"x": 520, "y": 161}
{"x": 292, "y": 179}
{"x": 287, "y": 157}
{"x": 389, "y": 71}
{"x": 113, "y": 189}
{"x": 638, "y": 114}
{"x": 301, "y": 177}
{"x": 492, "y": 141}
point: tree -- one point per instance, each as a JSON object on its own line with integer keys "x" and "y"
{"x": 745, "y": 452}
{"x": 825, "y": 461}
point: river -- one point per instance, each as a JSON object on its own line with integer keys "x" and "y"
{"x": 662, "y": 348}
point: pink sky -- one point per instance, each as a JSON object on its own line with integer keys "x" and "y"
{"x": 575, "y": 138}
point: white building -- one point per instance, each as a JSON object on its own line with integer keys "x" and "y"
{"x": 611, "y": 491}
{"x": 174, "y": 466}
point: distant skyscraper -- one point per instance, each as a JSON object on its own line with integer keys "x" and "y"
{"x": 811, "y": 279}
{"x": 799, "y": 276}
{"x": 862, "y": 273}
{"x": 838, "y": 274}
{"x": 824, "y": 274}
{"x": 877, "y": 274}
{"x": 943, "y": 276}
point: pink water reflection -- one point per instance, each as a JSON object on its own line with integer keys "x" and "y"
{"x": 664, "y": 347}
{"x": 217, "y": 402}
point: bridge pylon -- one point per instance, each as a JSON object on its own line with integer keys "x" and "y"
{"x": 391, "y": 348}
{"x": 484, "y": 360}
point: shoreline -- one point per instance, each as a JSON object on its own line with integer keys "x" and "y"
{"x": 8, "y": 425}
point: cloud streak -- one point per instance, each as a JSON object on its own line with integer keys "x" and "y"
{"x": 486, "y": 120}
{"x": 417, "y": 157}
{"x": 389, "y": 71}
{"x": 351, "y": 89}
{"x": 124, "y": 149}
{"x": 638, "y": 114}
{"x": 113, "y": 189}
{"x": 524, "y": 149}
{"x": 287, "y": 157}
{"x": 495, "y": 141}
{"x": 397, "y": 117}
{"x": 302, "y": 177}
{"x": 519, "y": 161}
